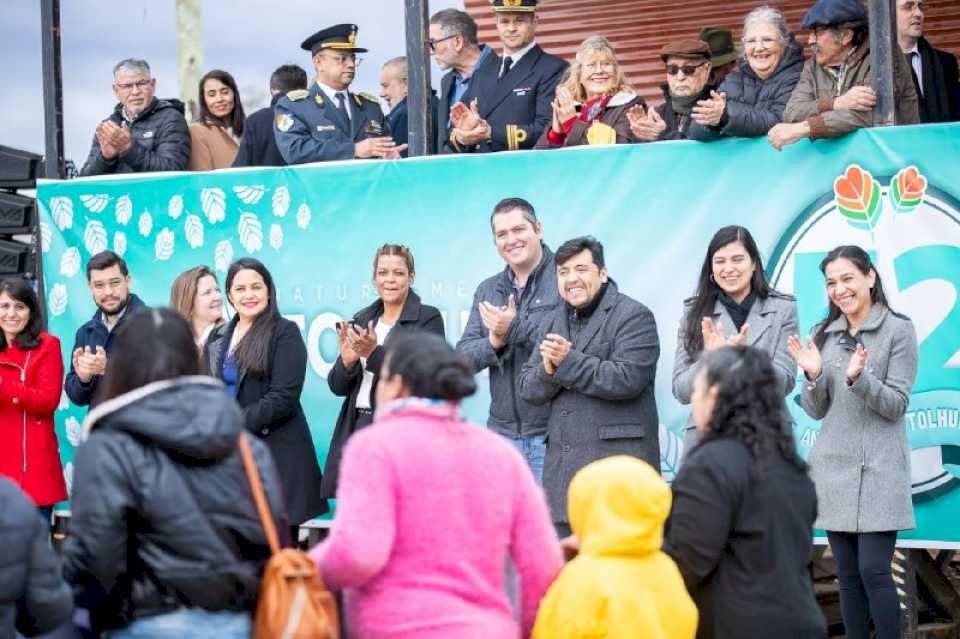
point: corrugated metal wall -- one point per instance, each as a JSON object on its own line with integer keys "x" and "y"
{"x": 638, "y": 28}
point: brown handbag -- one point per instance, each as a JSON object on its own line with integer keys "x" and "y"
{"x": 293, "y": 604}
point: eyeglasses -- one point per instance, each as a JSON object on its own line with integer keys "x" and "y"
{"x": 140, "y": 84}
{"x": 765, "y": 43}
{"x": 688, "y": 69}
{"x": 343, "y": 58}
{"x": 609, "y": 65}
{"x": 433, "y": 43}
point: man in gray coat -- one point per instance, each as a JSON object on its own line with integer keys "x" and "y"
{"x": 508, "y": 310}
{"x": 594, "y": 368}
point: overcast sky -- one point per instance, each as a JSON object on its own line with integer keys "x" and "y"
{"x": 248, "y": 38}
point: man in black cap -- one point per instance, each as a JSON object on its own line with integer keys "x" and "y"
{"x": 935, "y": 75}
{"x": 327, "y": 122}
{"x": 723, "y": 55}
{"x": 513, "y": 93}
{"x": 835, "y": 94}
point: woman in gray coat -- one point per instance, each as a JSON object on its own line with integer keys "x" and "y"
{"x": 733, "y": 304}
{"x": 860, "y": 365}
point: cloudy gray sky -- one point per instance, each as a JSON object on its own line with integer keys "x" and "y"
{"x": 248, "y": 38}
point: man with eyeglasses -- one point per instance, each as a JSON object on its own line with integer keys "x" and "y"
{"x": 328, "y": 122}
{"x": 143, "y": 133}
{"x": 935, "y": 73}
{"x": 109, "y": 283}
{"x": 688, "y": 70}
{"x": 835, "y": 95}
{"x": 511, "y": 101}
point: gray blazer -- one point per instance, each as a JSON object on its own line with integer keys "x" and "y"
{"x": 860, "y": 462}
{"x": 772, "y": 321}
{"x": 601, "y": 396}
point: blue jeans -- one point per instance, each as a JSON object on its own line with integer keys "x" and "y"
{"x": 533, "y": 449}
{"x": 194, "y": 623}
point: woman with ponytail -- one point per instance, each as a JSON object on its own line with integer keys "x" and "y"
{"x": 429, "y": 507}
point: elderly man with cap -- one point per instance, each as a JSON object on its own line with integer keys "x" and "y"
{"x": 723, "y": 55}
{"x": 688, "y": 81}
{"x": 835, "y": 94}
{"x": 509, "y": 102}
{"x": 327, "y": 122}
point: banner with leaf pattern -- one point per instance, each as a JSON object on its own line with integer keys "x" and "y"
{"x": 654, "y": 206}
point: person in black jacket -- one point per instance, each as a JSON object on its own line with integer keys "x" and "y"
{"x": 393, "y": 90}
{"x": 935, "y": 72}
{"x": 743, "y": 506}
{"x": 164, "y": 529}
{"x": 34, "y": 598}
{"x": 259, "y": 145}
{"x": 362, "y": 345}
{"x": 143, "y": 133}
{"x": 109, "y": 282}
{"x": 262, "y": 358}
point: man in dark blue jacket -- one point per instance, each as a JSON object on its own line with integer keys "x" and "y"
{"x": 109, "y": 282}
{"x": 259, "y": 145}
{"x": 514, "y": 93}
{"x": 393, "y": 91}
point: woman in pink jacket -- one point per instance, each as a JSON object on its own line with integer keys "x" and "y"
{"x": 430, "y": 507}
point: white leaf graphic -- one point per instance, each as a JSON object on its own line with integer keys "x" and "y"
{"x": 95, "y": 203}
{"x": 281, "y": 201}
{"x": 194, "y": 231}
{"x": 68, "y": 477}
{"x": 214, "y": 204}
{"x": 124, "y": 210}
{"x": 251, "y": 232}
{"x": 163, "y": 247}
{"x": 223, "y": 255}
{"x": 120, "y": 243}
{"x": 46, "y": 236}
{"x": 175, "y": 207}
{"x": 58, "y": 299}
{"x": 73, "y": 428}
{"x": 303, "y": 216}
{"x": 276, "y": 236}
{"x": 145, "y": 223}
{"x": 95, "y": 237}
{"x": 61, "y": 208}
{"x": 70, "y": 262}
{"x": 249, "y": 194}
{"x": 64, "y": 401}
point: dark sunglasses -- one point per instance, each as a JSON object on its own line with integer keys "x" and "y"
{"x": 688, "y": 69}
{"x": 433, "y": 43}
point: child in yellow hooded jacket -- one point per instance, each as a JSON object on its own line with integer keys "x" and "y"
{"x": 620, "y": 585}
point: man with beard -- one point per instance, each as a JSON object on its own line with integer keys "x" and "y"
{"x": 688, "y": 70}
{"x": 593, "y": 367}
{"x": 935, "y": 75}
{"x": 109, "y": 282}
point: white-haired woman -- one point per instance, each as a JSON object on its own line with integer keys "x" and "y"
{"x": 751, "y": 100}
{"x": 592, "y": 101}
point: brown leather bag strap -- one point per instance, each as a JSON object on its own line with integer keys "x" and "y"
{"x": 263, "y": 508}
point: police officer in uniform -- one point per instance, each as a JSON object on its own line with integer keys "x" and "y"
{"x": 513, "y": 93}
{"x": 326, "y": 121}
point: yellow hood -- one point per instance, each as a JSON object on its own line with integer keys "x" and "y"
{"x": 617, "y": 506}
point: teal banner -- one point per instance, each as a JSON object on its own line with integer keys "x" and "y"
{"x": 654, "y": 206}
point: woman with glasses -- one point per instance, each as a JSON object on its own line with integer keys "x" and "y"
{"x": 215, "y": 135}
{"x": 592, "y": 102}
{"x": 751, "y": 100}
{"x": 860, "y": 366}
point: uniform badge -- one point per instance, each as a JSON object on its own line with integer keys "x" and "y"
{"x": 318, "y": 98}
{"x": 373, "y": 128}
{"x": 284, "y": 122}
{"x": 325, "y": 127}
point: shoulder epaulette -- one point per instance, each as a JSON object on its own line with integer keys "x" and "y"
{"x": 297, "y": 94}
{"x": 369, "y": 97}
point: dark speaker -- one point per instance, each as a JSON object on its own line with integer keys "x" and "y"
{"x": 15, "y": 259}
{"x": 17, "y": 214}
{"x": 19, "y": 169}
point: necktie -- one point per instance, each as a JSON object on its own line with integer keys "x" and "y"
{"x": 912, "y": 59}
{"x": 342, "y": 105}
{"x": 507, "y": 63}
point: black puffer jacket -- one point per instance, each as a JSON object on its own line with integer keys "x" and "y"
{"x": 754, "y": 106}
{"x": 34, "y": 598}
{"x": 163, "y": 516}
{"x": 161, "y": 142}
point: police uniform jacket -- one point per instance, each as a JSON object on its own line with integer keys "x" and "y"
{"x": 309, "y": 128}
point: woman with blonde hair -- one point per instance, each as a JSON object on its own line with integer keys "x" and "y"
{"x": 592, "y": 100}
{"x": 196, "y": 295}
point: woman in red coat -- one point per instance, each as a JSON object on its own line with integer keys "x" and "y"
{"x": 31, "y": 381}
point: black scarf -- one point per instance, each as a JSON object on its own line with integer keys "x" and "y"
{"x": 738, "y": 312}
{"x": 587, "y": 311}
{"x": 934, "y": 101}
{"x": 683, "y": 104}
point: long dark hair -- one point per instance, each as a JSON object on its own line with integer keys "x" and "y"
{"x": 20, "y": 291}
{"x": 151, "y": 345}
{"x": 749, "y": 404}
{"x": 429, "y": 367}
{"x": 252, "y": 353}
{"x": 237, "y": 117}
{"x": 864, "y": 264}
{"x": 707, "y": 292}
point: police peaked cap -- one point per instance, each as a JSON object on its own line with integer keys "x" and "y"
{"x": 519, "y": 6}
{"x": 827, "y": 13}
{"x": 340, "y": 36}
